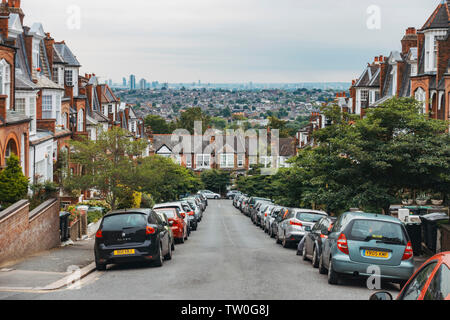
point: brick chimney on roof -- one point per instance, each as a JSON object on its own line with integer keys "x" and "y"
{"x": 409, "y": 40}
{"x": 4, "y": 23}
{"x": 49, "y": 42}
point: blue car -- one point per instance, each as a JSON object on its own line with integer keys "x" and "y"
{"x": 361, "y": 242}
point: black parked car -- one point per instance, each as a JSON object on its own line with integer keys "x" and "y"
{"x": 312, "y": 248}
{"x": 132, "y": 235}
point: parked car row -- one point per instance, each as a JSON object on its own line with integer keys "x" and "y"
{"x": 148, "y": 235}
{"x": 352, "y": 245}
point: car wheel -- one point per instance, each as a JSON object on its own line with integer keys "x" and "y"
{"x": 333, "y": 277}
{"x": 159, "y": 261}
{"x": 182, "y": 240}
{"x": 322, "y": 269}
{"x": 168, "y": 256}
{"x": 315, "y": 258}
{"x": 285, "y": 243}
{"x": 216, "y": 197}
{"x": 173, "y": 246}
{"x": 277, "y": 239}
{"x": 305, "y": 258}
{"x": 100, "y": 266}
{"x": 271, "y": 233}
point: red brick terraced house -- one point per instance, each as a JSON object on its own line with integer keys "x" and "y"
{"x": 421, "y": 70}
{"x": 431, "y": 84}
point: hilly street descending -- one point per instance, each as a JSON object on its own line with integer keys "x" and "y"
{"x": 226, "y": 258}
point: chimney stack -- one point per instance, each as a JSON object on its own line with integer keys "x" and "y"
{"x": 409, "y": 40}
{"x": 3, "y": 107}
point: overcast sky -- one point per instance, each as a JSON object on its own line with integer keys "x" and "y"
{"x": 228, "y": 40}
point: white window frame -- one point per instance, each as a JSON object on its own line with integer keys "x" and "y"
{"x": 47, "y": 106}
{"x": 203, "y": 160}
{"x": 188, "y": 161}
{"x": 68, "y": 77}
{"x": 240, "y": 160}
{"x": 227, "y": 160}
{"x": 80, "y": 120}
{"x": 21, "y": 105}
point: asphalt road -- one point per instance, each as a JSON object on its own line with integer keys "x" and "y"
{"x": 227, "y": 258}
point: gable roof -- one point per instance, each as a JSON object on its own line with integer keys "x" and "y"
{"x": 67, "y": 55}
{"x": 367, "y": 76}
{"x": 439, "y": 18}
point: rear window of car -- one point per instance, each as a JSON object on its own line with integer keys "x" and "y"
{"x": 170, "y": 213}
{"x": 366, "y": 230}
{"x": 309, "y": 216}
{"x": 120, "y": 221}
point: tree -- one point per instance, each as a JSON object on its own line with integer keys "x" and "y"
{"x": 13, "y": 183}
{"x": 226, "y": 112}
{"x": 218, "y": 123}
{"x": 164, "y": 179}
{"x": 216, "y": 180}
{"x": 190, "y": 116}
{"x": 157, "y": 124}
{"x": 108, "y": 164}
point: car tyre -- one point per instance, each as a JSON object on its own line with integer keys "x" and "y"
{"x": 315, "y": 259}
{"x": 173, "y": 246}
{"x": 181, "y": 240}
{"x": 322, "y": 269}
{"x": 333, "y": 276}
{"x": 285, "y": 243}
{"x": 159, "y": 261}
{"x": 100, "y": 266}
{"x": 305, "y": 258}
{"x": 168, "y": 256}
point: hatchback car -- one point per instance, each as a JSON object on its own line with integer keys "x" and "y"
{"x": 295, "y": 224}
{"x": 261, "y": 213}
{"x": 277, "y": 214}
{"x": 181, "y": 210}
{"x": 176, "y": 223}
{"x": 132, "y": 235}
{"x": 163, "y": 216}
{"x": 361, "y": 240}
{"x": 430, "y": 282}
{"x": 312, "y": 247}
{"x": 210, "y": 195}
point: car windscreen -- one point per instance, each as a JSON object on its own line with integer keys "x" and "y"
{"x": 366, "y": 230}
{"x": 170, "y": 213}
{"x": 124, "y": 221}
{"x": 309, "y": 216}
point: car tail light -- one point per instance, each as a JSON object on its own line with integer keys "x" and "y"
{"x": 149, "y": 230}
{"x": 408, "y": 254}
{"x": 342, "y": 243}
{"x": 99, "y": 234}
{"x": 295, "y": 223}
{"x": 191, "y": 213}
{"x": 265, "y": 215}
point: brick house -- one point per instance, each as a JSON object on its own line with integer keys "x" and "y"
{"x": 218, "y": 151}
{"x": 431, "y": 84}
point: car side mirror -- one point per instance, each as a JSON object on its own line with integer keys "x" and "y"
{"x": 382, "y": 295}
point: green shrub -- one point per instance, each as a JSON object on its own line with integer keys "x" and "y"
{"x": 13, "y": 184}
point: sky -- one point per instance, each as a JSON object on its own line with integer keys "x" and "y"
{"x": 228, "y": 41}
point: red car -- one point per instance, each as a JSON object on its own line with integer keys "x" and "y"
{"x": 430, "y": 282}
{"x": 176, "y": 222}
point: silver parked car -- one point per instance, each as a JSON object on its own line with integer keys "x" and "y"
{"x": 295, "y": 223}
{"x": 268, "y": 218}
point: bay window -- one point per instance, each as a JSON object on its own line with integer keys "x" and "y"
{"x": 69, "y": 77}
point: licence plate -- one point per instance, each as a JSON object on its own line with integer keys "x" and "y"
{"x": 124, "y": 252}
{"x": 376, "y": 254}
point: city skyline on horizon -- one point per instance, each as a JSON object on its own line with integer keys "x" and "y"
{"x": 262, "y": 42}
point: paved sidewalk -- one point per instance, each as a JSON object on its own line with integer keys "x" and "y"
{"x": 52, "y": 269}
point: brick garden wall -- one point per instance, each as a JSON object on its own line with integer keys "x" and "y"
{"x": 23, "y": 233}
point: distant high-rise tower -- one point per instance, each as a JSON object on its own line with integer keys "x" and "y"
{"x": 132, "y": 84}
{"x": 124, "y": 81}
{"x": 143, "y": 84}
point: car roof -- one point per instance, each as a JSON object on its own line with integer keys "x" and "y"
{"x": 372, "y": 216}
{"x": 139, "y": 210}
{"x": 297, "y": 210}
{"x": 167, "y": 204}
